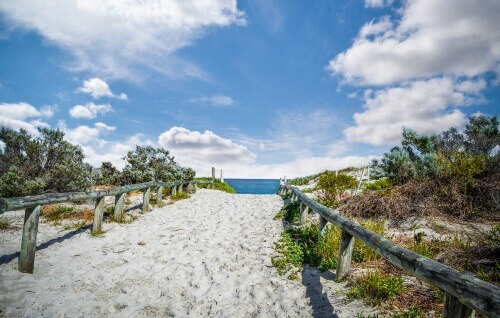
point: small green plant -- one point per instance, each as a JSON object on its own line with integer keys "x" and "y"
{"x": 379, "y": 184}
{"x": 55, "y": 213}
{"x": 180, "y": 196}
{"x": 4, "y": 223}
{"x": 290, "y": 212}
{"x": 375, "y": 287}
{"x": 74, "y": 226}
{"x": 287, "y": 195}
{"x": 361, "y": 252}
{"x": 97, "y": 233}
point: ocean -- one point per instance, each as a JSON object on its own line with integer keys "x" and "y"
{"x": 254, "y": 186}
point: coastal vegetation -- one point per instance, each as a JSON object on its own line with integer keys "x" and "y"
{"x": 47, "y": 163}
{"x": 219, "y": 185}
{"x": 433, "y": 186}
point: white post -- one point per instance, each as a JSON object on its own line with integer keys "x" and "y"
{"x": 221, "y": 176}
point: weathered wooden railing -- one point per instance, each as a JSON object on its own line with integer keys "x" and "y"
{"x": 33, "y": 204}
{"x": 464, "y": 293}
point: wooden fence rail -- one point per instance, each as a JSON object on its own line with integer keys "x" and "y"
{"x": 32, "y": 205}
{"x": 464, "y": 293}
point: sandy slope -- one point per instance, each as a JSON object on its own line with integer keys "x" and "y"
{"x": 205, "y": 256}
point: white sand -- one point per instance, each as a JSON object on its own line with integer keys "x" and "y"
{"x": 205, "y": 256}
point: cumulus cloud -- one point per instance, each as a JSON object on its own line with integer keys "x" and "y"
{"x": 16, "y": 116}
{"x": 90, "y": 110}
{"x": 84, "y": 134}
{"x": 427, "y": 106}
{"x": 214, "y": 100}
{"x": 99, "y": 88}
{"x": 201, "y": 148}
{"x": 120, "y": 38}
{"x": 431, "y": 38}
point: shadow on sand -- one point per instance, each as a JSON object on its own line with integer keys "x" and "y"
{"x": 320, "y": 303}
{"x": 4, "y": 259}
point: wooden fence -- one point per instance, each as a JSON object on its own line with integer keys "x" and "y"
{"x": 33, "y": 204}
{"x": 464, "y": 293}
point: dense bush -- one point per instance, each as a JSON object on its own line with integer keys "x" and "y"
{"x": 150, "y": 164}
{"x": 45, "y": 163}
{"x": 454, "y": 173}
{"x": 333, "y": 187}
{"x": 463, "y": 156}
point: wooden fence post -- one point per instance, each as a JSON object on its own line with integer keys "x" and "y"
{"x": 345, "y": 255}
{"x": 145, "y": 200}
{"x": 213, "y": 178}
{"x": 322, "y": 225}
{"x": 304, "y": 211}
{"x": 28, "y": 243}
{"x": 119, "y": 204}
{"x": 174, "y": 190}
{"x": 180, "y": 188}
{"x": 455, "y": 309}
{"x": 159, "y": 196}
{"x": 98, "y": 214}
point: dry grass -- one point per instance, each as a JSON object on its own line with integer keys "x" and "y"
{"x": 440, "y": 197}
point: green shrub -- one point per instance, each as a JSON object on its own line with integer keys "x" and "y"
{"x": 221, "y": 186}
{"x": 377, "y": 185}
{"x": 290, "y": 212}
{"x": 180, "y": 196}
{"x": 375, "y": 287}
{"x": 304, "y": 245}
{"x": 333, "y": 186}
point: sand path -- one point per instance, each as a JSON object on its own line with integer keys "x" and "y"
{"x": 205, "y": 256}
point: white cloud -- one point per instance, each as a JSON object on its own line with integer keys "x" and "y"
{"x": 377, "y": 3}
{"x": 84, "y": 134}
{"x": 426, "y": 106}
{"x": 120, "y": 39}
{"x": 376, "y": 27}
{"x": 99, "y": 88}
{"x": 432, "y": 38}
{"x": 214, "y": 100}
{"x": 48, "y": 110}
{"x": 90, "y": 110}
{"x": 199, "y": 149}
{"x": 15, "y": 116}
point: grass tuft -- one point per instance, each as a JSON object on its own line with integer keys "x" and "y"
{"x": 180, "y": 196}
{"x": 56, "y": 212}
{"x": 375, "y": 287}
{"x": 4, "y": 223}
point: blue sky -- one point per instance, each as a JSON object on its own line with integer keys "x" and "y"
{"x": 256, "y": 88}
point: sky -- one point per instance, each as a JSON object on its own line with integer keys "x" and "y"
{"x": 259, "y": 89}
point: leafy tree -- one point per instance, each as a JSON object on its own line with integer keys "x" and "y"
{"x": 108, "y": 174}
{"x": 46, "y": 163}
{"x": 151, "y": 164}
